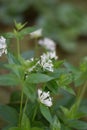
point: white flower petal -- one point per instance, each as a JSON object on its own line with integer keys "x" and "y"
{"x": 48, "y": 44}
{"x": 3, "y": 46}
{"x": 44, "y": 98}
{"x": 36, "y": 34}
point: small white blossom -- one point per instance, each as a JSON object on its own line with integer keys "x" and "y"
{"x": 44, "y": 98}
{"x": 3, "y": 46}
{"x": 48, "y": 44}
{"x": 36, "y": 34}
{"x": 46, "y": 63}
{"x": 52, "y": 55}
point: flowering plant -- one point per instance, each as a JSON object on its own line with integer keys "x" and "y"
{"x": 49, "y": 99}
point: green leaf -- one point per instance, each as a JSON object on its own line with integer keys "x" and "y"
{"x": 19, "y": 25}
{"x": 25, "y": 123}
{"x": 38, "y": 78}
{"x": 36, "y": 128}
{"x": 65, "y": 110}
{"x": 58, "y": 63}
{"x": 53, "y": 86}
{"x": 65, "y": 127}
{"x": 15, "y": 128}
{"x": 65, "y": 79}
{"x": 68, "y": 89}
{"x": 27, "y": 30}
{"x": 56, "y": 124}
{"x": 9, "y": 35}
{"x": 8, "y": 114}
{"x": 70, "y": 67}
{"x": 77, "y": 124}
{"x": 12, "y": 59}
{"x": 29, "y": 90}
{"x": 46, "y": 113}
{"x": 58, "y": 72}
{"x": 8, "y": 80}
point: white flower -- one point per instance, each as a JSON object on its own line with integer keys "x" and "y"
{"x": 48, "y": 44}
{"x": 46, "y": 63}
{"x": 36, "y": 34}
{"x": 52, "y": 55}
{"x": 44, "y": 98}
{"x": 3, "y": 46}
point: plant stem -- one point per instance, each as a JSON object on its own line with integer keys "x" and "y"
{"x": 81, "y": 94}
{"x": 35, "y": 112}
{"x": 36, "y": 48}
{"x": 25, "y": 105}
{"x": 18, "y": 47}
{"x": 20, "y": 115}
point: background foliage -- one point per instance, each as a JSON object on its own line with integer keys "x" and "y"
{"x": 61, "y": 21}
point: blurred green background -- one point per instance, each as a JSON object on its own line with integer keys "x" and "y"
{"x": 64, "y": 21}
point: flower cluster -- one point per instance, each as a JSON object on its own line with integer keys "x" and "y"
{"x": 44, "y": 98}
{"x": 45, "y": 62}
{"x": 3, "y": 46}
{"x": 46, "y": 43}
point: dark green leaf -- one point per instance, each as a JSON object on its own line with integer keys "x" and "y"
{"x": 38, "y": 78}
{"x": 12, "y": 59}
{"x": 65, "y": 127}
{"x": 8, "y": 114}
{"x": 9, "y": 35}
{"x": 53, "y": 87}
{"x": 8, "y": 80}
{"x": 68, "y": 89}
{"x": 77, "y": 124}
{"x": 46, "y": 113}
{"x": 29, "y": 90}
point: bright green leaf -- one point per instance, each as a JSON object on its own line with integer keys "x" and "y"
{"x": 36, "y": 128}
{"x": 27, "y": 30}
{"x": 15, "y": 128}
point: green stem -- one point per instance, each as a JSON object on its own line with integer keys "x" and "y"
{"x": 21, "y": 102}
{"x": 36, "y": 48}
{"x": 81, "y": 94}
{"x": 18, "y": 47}
{"x": 35, "y": 112}
{"x": 25, "y": 105}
